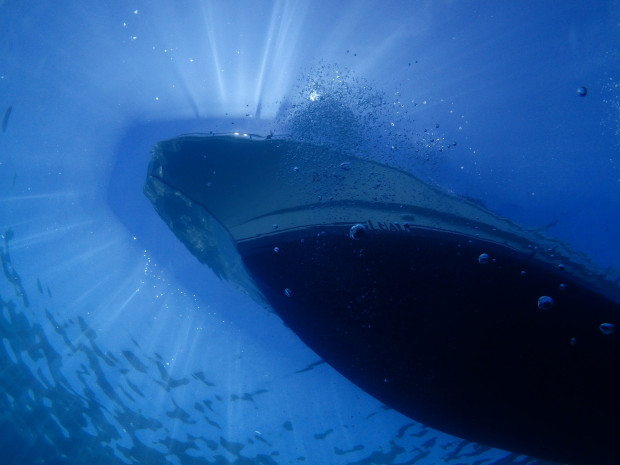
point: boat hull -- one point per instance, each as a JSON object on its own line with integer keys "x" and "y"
{"x": 415, "y": 320}
{"x": 442, "y": 310}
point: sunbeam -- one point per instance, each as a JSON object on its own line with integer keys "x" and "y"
{"x": 209, "y": 20}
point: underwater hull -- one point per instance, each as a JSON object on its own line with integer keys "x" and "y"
{"x": 438, "y": 316}
{"x": 416, "y": 321}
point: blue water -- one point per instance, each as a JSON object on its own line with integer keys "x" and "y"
{"x": 118, "y": 347}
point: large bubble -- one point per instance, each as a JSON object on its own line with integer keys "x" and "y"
{"x": 357, "y": 231}
{"x": 545, "y": 302}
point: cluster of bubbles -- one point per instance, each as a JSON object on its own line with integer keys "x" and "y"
{"x": 610, "y": 93}
{"x": 333, "y": 106}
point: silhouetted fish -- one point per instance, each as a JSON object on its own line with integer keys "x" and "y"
{"x": 5, "y": 118}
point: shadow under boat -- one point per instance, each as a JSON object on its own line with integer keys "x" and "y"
{"x": 442, "y": 310}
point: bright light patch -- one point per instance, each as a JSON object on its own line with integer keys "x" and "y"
{"x": 314, "y": 95}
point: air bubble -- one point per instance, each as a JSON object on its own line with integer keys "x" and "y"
{"x": 523, "y": 272}
{"x": 562, "y": 287}
{"x": 483, "y": 258}
{"x": 606, "y": 328}
{"x": 276, "y": 249}
{"x": 288, "y": 292}
{"x": 545, "y": 302}
{"x": 582, "y": 91}
{"x": 357, "y": 231}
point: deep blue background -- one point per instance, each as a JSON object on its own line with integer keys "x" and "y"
{"x": 93, "y": 86}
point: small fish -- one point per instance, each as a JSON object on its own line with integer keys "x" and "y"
{"x": 5, "y": 118}
{"x": 310, "y": 367}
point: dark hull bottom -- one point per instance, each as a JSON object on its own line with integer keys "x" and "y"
{"x": 414, "y": 319}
